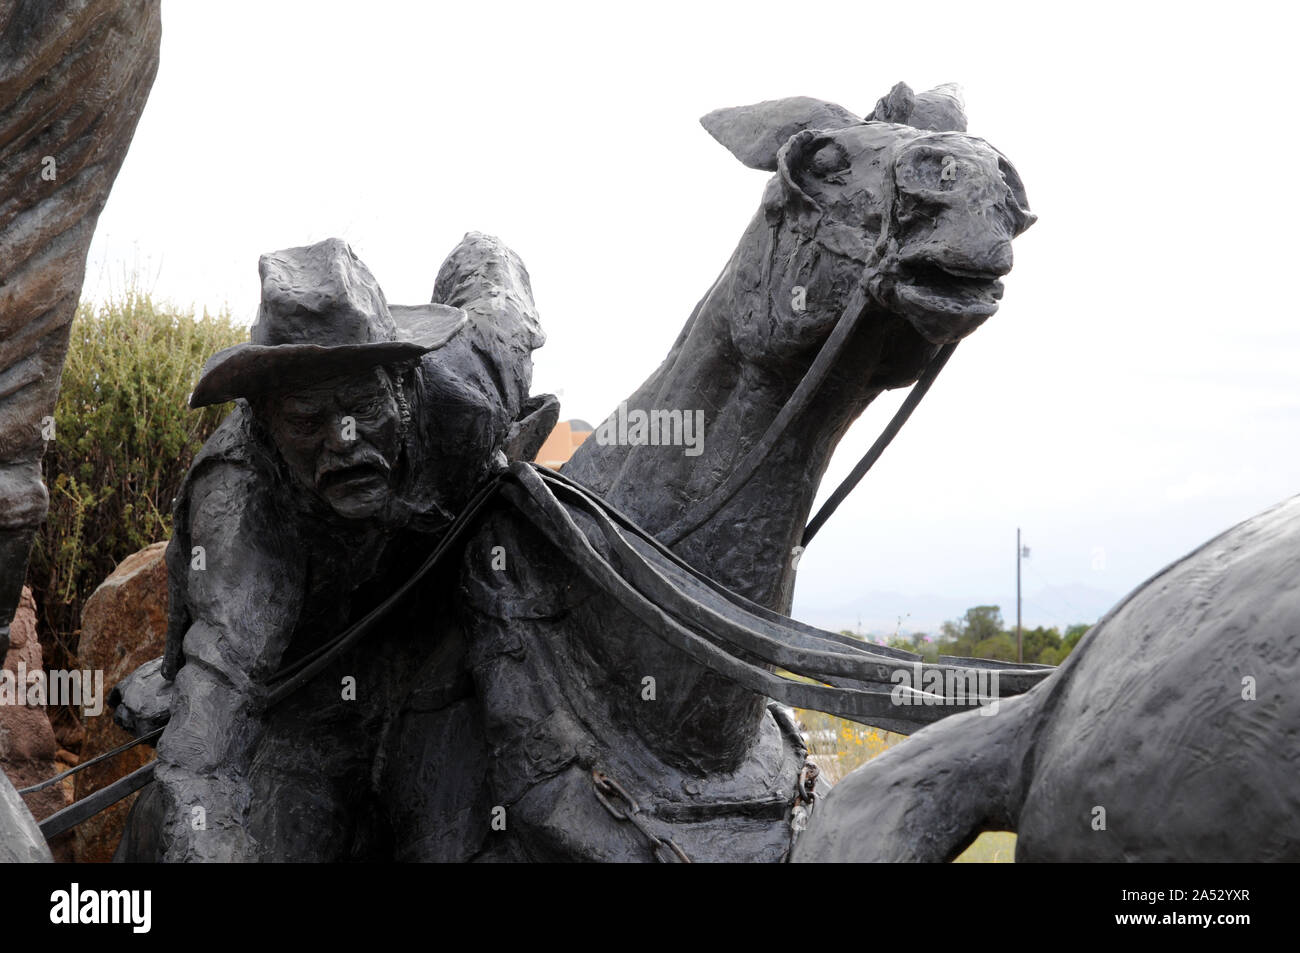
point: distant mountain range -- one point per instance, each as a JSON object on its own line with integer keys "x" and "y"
{"x": 883, "y": 613}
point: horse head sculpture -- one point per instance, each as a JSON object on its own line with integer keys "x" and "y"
{"x": 924, "y": 218}
{"x": 877, "y": 244}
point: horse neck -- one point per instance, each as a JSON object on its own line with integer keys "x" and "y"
{"x": 748, "y": 542}
{"x": 705, "y": 723}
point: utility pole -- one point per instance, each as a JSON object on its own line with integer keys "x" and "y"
{"x": 1022, "y": 552}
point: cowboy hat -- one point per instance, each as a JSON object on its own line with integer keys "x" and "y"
{"x": 322, "y": 315}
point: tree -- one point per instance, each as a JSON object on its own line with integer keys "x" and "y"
{"x": 980, "y": 624}
{"x": 1000, "y": 646}
{"x": 917, "y": 642}
{"x": 1039, "y": 641}
{"x": 980, "y": 634}
{"x": 122, "y": 440}
{"x": 1072, "y": 636}
{"x": 983, "y": 622}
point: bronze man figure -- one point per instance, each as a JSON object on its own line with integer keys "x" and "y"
{"x": 360, "y": 430}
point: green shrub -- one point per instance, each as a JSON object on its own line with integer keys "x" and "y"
{"x": 123, "y": 440}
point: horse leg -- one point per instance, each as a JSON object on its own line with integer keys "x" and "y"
{"x": 73, "y": 81}
{"x": 928, "y": 798}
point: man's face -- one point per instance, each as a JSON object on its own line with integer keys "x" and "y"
{"x": 341, "y": 440}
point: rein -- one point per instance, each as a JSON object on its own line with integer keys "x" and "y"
{"x": 887, "y": 435}
{"x": 722, "y": 621}
{"x": 704, "y": 620}
{"x": 284, "y": 683}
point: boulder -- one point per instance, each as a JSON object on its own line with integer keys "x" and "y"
{"x": 28, "y": 750}
{"x": 123, "y": 625}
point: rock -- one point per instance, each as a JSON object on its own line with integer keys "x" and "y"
{"x": 27, "y": 746}
{"x": 123, "y": 625}
{"x": 68, "y": 731}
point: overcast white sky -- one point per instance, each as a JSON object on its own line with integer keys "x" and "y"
{"x": 1136, "y": 394}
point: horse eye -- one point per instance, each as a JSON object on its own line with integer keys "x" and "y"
{"x": 828, "y": 160}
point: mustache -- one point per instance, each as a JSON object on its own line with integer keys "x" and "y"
{"x": 363, "y": 458}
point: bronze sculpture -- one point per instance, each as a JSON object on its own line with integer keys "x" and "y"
{"x": 347, "y": 451}
{"x": 74, "y": 76}
{"x": 877, "y": 246}
{"x": 595, "y": 679}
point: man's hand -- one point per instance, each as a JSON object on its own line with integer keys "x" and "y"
{"x": 142, "y": 701}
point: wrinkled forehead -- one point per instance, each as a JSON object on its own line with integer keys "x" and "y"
{"x": 849, "y": 171}
{"x": 336, "y": 392}
{"x": 944, "y": 157}
{"x": 865, "y": 146}
{"x": 845, "y": 171}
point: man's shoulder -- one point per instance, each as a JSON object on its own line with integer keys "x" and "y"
{"x": 232, "y": 472}
{"x": 231, "y": 442}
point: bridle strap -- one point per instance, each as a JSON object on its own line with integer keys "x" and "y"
{"x": 812, "y": 380}
{"x": 886, "y": 436}
{"x": 826, "y": 359}
{"x": 802, "y": 397}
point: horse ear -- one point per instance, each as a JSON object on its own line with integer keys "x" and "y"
{"x": 936, "y": 110}
{"x": 755, "y": 134}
